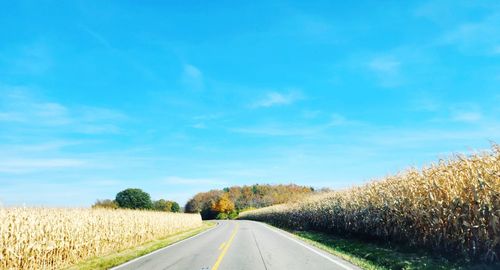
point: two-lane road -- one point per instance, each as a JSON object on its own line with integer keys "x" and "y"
{"x": 235, "y": 245}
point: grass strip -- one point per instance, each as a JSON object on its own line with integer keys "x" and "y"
{"x": 378, "y": 256}
{"x": 114, "y": 259}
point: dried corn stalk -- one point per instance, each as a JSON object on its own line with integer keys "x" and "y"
{"x": 47, "y": 238}
{"x": 452, "y": 207}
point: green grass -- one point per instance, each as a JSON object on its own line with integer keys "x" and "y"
{"x": 108, "y": 261}
{"x": 377, "y": 256}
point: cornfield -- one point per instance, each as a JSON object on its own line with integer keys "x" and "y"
{"x": 48, "y": 238}
{"x": 452, "y": 207}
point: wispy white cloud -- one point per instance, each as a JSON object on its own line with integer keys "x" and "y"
{"x": 415, "y": 138}
{"x": 30, "y": 148}
{"x": 310, "y": 114}
{"x": 192, "y": 77}
{"x": 176, "y": 180}
{"x": 210, "y": 116}
{"x": 384, "y": 64}
{"x": 199, "y": 125}
{"x": 10, "y": 117}
{"x": 387, "y": 70}
{"x": 440, "y": 13}
{"x": 466, "y": 113}
{"x": 276, "y": 130}
{"x": 496, "y": 50}
{"x": 20, "y": 106}
{"x": 25, "y": 165}
{"x": 203, "y": 121}
{"x": 34, "y": 58}
{"x": 312, "y": 27}
{"x": 337, "y": 119}
{"x": 307, "y": 27}
{"x": 297, "y": 129}
{"x": 103, "y": 182}
{"x": 467, "y": 116}
{"x": 477, "y": 37}
{"x": 89, "y": 113}
{"x": 97, "y": 128}
{"x": 426, "y": 104}
{"x": 274, "y": 98}
{"x": 97, "y": 36}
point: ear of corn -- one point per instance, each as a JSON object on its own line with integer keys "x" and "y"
{"x": 47, "y": 238}
{"x": 451, "y": 207}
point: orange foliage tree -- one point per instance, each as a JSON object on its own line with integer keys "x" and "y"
{"x": 236, "y": 198}
{"x": 223, "y": 205}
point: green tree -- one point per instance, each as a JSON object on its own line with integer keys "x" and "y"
{"x": 175, "y": 207}
{"x": 134, "y": 198}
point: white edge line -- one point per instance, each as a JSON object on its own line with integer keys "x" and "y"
{"x": 306, "y": 246}
{"x": 161, "y": 249}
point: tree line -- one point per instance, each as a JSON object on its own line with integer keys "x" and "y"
{"x": 134, "y": 198}
{"x": 228, "y": 202}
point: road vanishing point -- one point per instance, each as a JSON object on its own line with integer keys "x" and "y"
{"x": 239, "y": 245}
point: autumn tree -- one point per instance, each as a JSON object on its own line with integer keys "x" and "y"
{"x": 214, "y": 202}
{"x": 202, "y": 203}
{"x": 223, "y": 204}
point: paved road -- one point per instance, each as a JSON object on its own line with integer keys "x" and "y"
{"x": 239, "y": 245}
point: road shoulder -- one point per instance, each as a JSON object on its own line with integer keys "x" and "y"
{"x": 124, "y": 256}
{"x": 376, "y": 256}
{"x": 339, "y": 261}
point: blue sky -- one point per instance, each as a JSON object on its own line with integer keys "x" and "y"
{"x": 181, "y": 97}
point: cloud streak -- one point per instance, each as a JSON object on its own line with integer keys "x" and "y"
{"x": 335, "y": 120}
{"x": 176, "y": 180}
{"x": 387, "y": 70}
{"x": 24, "y": 165}
{"x": 19, "y": 107}
{"x": 98, "y": 37}
{"x": 274, "y": 98}
{"x": 192, "y": 77}
{"x": 479, "y": 36}
{"x": 468, "y": 117}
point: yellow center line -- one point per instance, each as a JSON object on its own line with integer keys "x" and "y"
{"x": 226, "y": 247}
{"x": 222, "y": 245}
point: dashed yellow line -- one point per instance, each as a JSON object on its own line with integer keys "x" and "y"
{"x": 222, "y": 245}
{"x": 226, "y": 247}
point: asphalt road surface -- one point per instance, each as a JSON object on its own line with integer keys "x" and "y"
{"x": 239, "y": 245}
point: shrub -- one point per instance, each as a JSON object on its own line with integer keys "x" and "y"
{"x": 167, "y": 206}
{"x": 105, "y": 204}
{"x": 232, "y": 215}
{"x": 222, "y": 216}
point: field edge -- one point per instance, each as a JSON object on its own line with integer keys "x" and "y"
{"x": 121, "y": 257}
{"x": 376, "y": 256}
